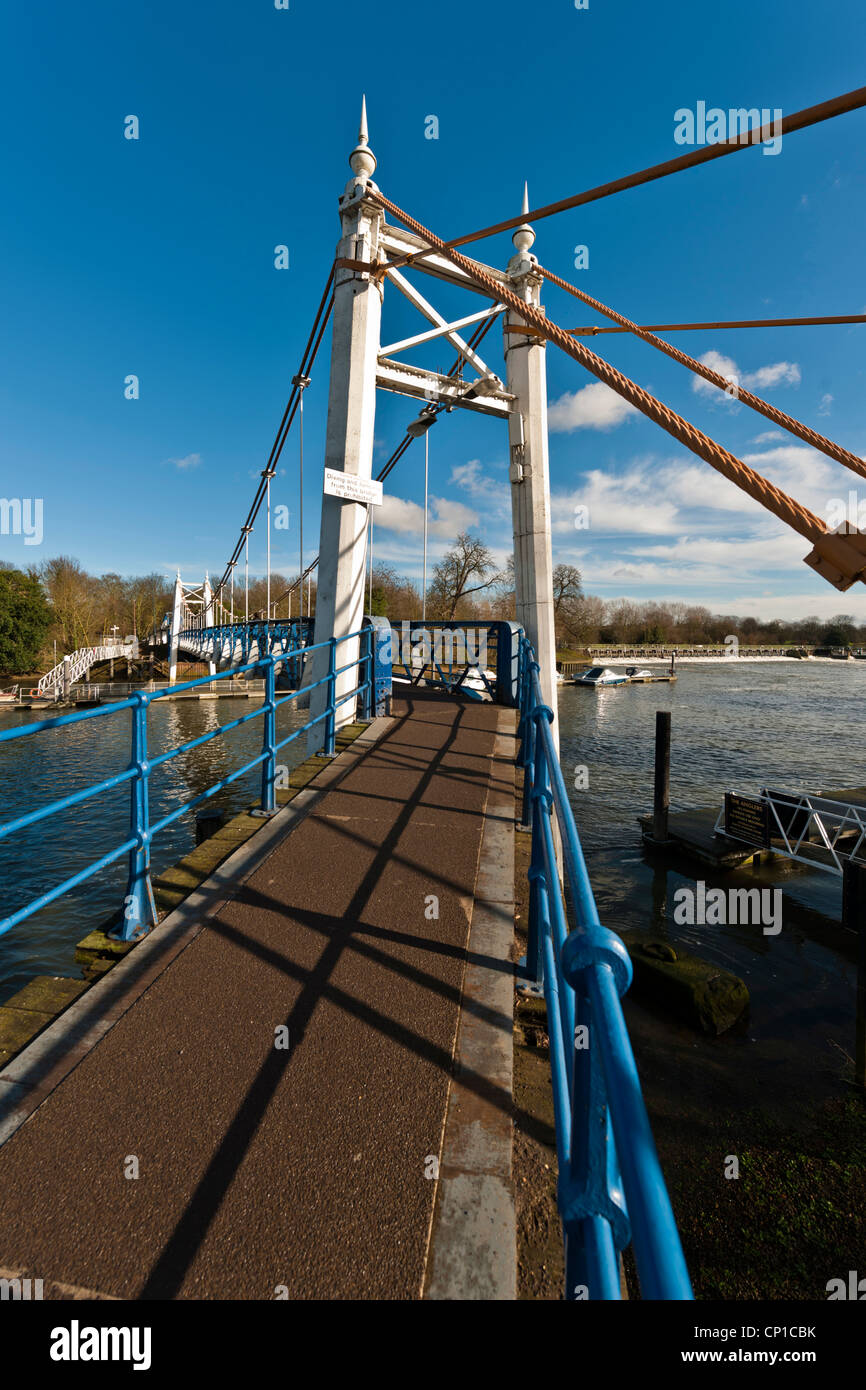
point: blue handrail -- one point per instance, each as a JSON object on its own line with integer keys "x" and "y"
{"x": 611, "y": 1192}
{"x": 139, "y": 910}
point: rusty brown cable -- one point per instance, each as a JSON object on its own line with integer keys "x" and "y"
{"x": 799, "y": 120}
{"x": 592, "y": 330}
{"x": 778, "y": 417}
{"x": 738, "y": 472}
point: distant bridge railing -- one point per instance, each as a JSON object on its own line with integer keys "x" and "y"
{"x": 611, "y": 1191}
{"x": 139, "y": 910}
{"x": 239, "y": 642}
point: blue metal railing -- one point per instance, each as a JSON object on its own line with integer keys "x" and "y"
{"x": 445, "y": 654}
{"x": 611, "y": 1191}
{"x": 139, "y": 911}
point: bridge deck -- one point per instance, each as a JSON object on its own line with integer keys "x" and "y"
{"x": 262, "y": 1167}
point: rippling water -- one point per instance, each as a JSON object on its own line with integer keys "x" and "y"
{"x": 737, "y": 727}
{"x": 57, "y": 762}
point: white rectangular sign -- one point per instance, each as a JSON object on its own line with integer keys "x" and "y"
{"x": 352, "y": 488}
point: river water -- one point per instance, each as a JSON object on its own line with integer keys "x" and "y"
{"x": 57, "y": 762}
{"x": 735, "y": 726}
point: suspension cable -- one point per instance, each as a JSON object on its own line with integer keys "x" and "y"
{"x": 592, "y": 330}
{"x": 842, "y": 554}
{"x": 320, "y": 323}
{"x": 778, "y": 417}
{"x": 799, "y": 120}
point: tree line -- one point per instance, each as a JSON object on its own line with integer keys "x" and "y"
{"x": 60, "y": 605}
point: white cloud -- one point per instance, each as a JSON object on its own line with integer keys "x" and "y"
{"x": 446, "y": 518}
{"x": 773, "y": 374}
{"x": 493, "y": 493}
{"x": 717, "y": 362}
{"x": 620, "y": 503}
{"x": 826, "y": 402}
{"x": 594, "y": 407}
{"x": 777, "y": 374}
{"x": 191, "y": 461}
{"x": 767, "y": 436}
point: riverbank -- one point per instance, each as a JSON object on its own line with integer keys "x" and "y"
{"x": 763, "y": 1161}
{"x": 775, "y": 1092}
{"x": 734, "y": 661}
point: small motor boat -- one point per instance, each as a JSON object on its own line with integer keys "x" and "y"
{"x": 601, "y": 675}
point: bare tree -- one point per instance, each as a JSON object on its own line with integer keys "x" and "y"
{"x": 467, "y": 559}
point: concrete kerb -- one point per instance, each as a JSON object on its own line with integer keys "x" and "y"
{"x": 472, "y": 1253}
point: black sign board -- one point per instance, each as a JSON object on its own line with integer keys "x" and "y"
{"x": 747, "y": 818}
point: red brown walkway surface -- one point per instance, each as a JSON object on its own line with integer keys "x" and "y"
{"x": 262, "y": 1167}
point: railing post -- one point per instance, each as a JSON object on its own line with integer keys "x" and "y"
{"x": 139, "y": 908}
{"x": 364, "y": 671}
{"x": 269, "y": 738}
{"x": 662, "y": 787}
{"x": 591, "y": 1189}
{"x": 854, "y": 918}
{"x": 527, "y": 750}
{"x": 331, "y": 721}
{"x": 540, "y": 803}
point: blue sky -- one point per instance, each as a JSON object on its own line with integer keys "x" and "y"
{"x": 155, "y": 257}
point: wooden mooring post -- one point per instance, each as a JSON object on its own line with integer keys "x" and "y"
{"x": 662, "y": 791}
{"x": 854, "y": 918}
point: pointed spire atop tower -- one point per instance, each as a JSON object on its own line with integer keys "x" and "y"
{"x": 523, "y": 236}
{"x": 362, "y": 159}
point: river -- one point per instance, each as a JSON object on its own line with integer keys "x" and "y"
{"x": 57, "y": 762}
{"x": 735, "y": 726}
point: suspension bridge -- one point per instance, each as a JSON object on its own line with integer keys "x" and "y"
{"x": 297, "y": 1083}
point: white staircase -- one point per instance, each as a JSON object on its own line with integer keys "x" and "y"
{"x": 60, "y": 679}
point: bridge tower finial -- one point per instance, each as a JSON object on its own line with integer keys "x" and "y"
{"x": 362, "y": 160}
{"x": 523, "y": 236}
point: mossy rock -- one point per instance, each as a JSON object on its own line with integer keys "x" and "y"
{"x": 98, "y": 945}
{"x": 699, "y": 993}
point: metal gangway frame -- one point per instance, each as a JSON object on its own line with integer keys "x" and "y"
{"x": 799, "y": 815}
